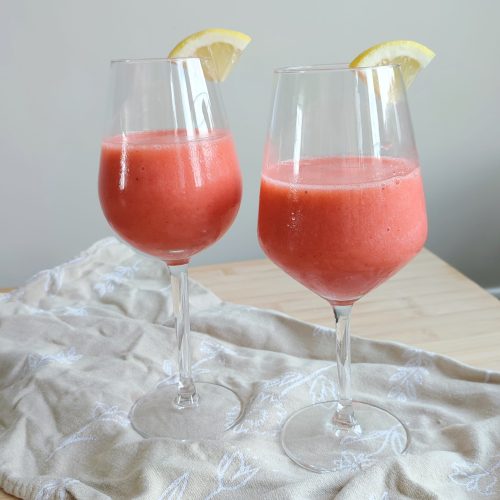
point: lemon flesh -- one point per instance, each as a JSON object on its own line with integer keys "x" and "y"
{"x": 219, "y": 49}
{"x": 411, "y": 56}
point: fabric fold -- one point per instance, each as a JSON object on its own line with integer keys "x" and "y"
{"x": 81, "y": 342}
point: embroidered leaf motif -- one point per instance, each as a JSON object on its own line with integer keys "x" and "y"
{"x": 57, "y": 311}
{"x": 290, "y": 380}
{"x": 72, "y": 311}
{"x": 55, "y": 489}
{"x": 233, "y": 473}
{"x": 55, "y": 278}
{"x": 266, "y": 411}
{"x": 37, "y": 361}
{"x": 405, "y": 380}
{"x": 105, "y": 413}
{"x": 351, "y": 462}
{"x": 119, "y": 275}
{"x": 101, "y": 413}
{"x": 475, "y": 478}
{"x": 393, "y": 437}
{"x": 213, "y": 350}
{"x": 283, "y": 380}
{"x": 264, "y": 415}
{"x": 175, "y": 490}
{"x": 323, "y": 389}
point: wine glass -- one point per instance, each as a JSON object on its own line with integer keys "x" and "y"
{"x": 170, "y": 186}
{"x": 341, "y": 210}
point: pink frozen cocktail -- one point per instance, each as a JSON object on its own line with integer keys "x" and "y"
{"x": 169, "y": 196}
{"x": 342, "y": 225}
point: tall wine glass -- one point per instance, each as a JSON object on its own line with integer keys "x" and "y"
{"x": 170, "y": 186}
{"x": 341, "y": 210}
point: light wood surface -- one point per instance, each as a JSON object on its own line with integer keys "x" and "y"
{"x": 428, "y": 304}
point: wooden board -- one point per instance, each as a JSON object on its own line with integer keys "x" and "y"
{"x": 428, "y": 304}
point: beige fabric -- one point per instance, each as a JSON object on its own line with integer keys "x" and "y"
{"x": 79, "y": 343}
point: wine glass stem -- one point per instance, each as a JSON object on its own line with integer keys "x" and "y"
{"x": 344, "y": 414}
{"x": 186, "y": 394}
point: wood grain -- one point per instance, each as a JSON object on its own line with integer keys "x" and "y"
{"x": 428, "y": 304}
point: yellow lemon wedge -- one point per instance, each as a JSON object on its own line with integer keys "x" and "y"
{"x": 218, "y": 49}
{"x": 411, "y": 56}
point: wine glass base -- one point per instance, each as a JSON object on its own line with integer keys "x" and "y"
{"x": 157, "y": 415}
{"x": 311, "y": 439}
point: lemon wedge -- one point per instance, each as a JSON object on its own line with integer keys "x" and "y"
{"x": 411, "y": 56}
{"x": 218, "y": 48}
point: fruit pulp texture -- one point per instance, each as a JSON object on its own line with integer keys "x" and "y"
{"x": 167, "y": 194}
{"x": 342, "y": 225}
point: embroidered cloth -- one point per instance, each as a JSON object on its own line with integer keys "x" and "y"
{"x": 81, "y": 342}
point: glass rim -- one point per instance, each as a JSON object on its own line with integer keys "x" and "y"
{"x": 157, "y": 60}
{"x": 330, "y": 67}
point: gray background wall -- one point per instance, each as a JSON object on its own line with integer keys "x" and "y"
{"x": 54, "y": 58}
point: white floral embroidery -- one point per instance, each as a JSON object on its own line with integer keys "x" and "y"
{"x": 57, "y": 311}
{"x": 36, "y": 311}
{"x": 213, "y": 350}
{"x": 55, "y": 489}
{"x": 474, "y": 477}
{"x": 106, "y": 413}
{"x": 406, "y": 379}
{"x": 323, "y": 388}
{"x": 290, "y": 380}
{"x": 352, "y": 462}
{"x": 72, "y": 311}
{"x": 264, "y": 415}
{"x": 111, "y": 280}
{"x": 37, "y": 361}
{"x": 102, "y": 413}
{"x": 232, "y": 473}
{"x": 55, "y": 276}
{"x": 175, "y": 490}
{"x": 394, "y": 438}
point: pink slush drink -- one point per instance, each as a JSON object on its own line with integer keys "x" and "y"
{"x": 169, "y": 196}
{"x": 342, "y": 225}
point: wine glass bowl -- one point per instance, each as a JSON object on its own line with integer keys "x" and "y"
{"x": 169, "y": 182}
{"x": 341, "y": 210}
{"x": 170, "y": 186}
{"x": 170, "y": 213}
{"x": 343, "y": 242}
